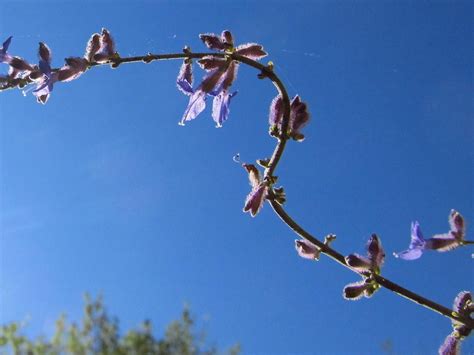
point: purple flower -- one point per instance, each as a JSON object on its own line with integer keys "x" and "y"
{"x": 221, "y": 75}
{"x": 299, "y": 117}
{"x": 463, "y": 306}
{"x": 373, "y": 261}
{"x": 4, "y": 56}
{"x": 369, "y": 265}
{"x": 451, "y": 345}
{"x": 439, "y": 242}
{"x": 256, "y": 197}
{"x": 306, "y": 249}
{"x": 225, "y": 42}
{"x": 220, "y": 107}
{"x": 184, "y": 81}
{"x": 48, "y": 78}
{"x": 356, "y": 290}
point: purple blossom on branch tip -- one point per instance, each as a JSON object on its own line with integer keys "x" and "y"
{"x": 221, "y": 75}
{"x": 440, "y": 242}
{"x": 256, "y": 197}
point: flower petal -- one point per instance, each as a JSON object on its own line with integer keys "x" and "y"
{"x": 462, "y": 302}
{"x": 443, "y": 242}
{"x": 20, "y": 64}
{"x": 197, "y": 103}
{"x": 4, "y": 56}
{"x": 299, "y": 117}
{"x": 354, "y": 291}
{"x": 254, "y": 174}
{"x": 410, "y": 254}
{"x": 93, "y": 46}
{"x": 417, "y": 244}
{"x": 107, "y": 43}
{"x": 184, "y": 81}
{"x": 44, "y": 53}
{"x": 306, "y": 249}
{"x": 210, "y": 62}
{"x": 212, "y": 41}
{"x": 276, "y": 111}
{"x": 451, "y": 346}
{"x": 255, "y": 200}
{"x": 74, "y": 68}
{"x": 227, "y": 39}
{"x": 251, "y": 50}
{"x": 456, "y": 222}
{"x": 5, "y": 45}
{"x": 220, "y": 107}
{"x": 358, "y": 262}
{"x": 375, "y": 251}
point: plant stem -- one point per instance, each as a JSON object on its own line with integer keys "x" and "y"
{"x": 268, "y": 72}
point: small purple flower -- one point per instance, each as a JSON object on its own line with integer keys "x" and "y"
{"x": 45, "y": 83}
{"x": 4, "y": 56}
{"x": 299, "y": 117}
{"x": 369, "y": 266}
{"x": 276, "y": 112}
{"x": 221, "y": 75}
{"x": 440, "y": 242}
{"x": 256, "y": 197}
{"x": 251, "y": 50}
{"x": 306, "y": 249}
{"x": 463, "y": 306}
{"x": 220, "y": 107}
{"x": 373, "y": 261}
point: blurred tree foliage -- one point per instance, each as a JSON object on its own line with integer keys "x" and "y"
{"x": 98, "y": 333}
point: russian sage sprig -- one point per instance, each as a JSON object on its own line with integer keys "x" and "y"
{"x": 286, "y": 119}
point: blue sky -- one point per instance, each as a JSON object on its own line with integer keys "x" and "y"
{"x": 103, "y": 192}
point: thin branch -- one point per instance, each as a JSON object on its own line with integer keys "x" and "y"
{"x": 380, "y": 279}
{"x": 267, "y": 72}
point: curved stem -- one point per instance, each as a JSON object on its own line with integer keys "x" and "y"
{"x": 392, "y": 286}
{"x": 267, "y": 72}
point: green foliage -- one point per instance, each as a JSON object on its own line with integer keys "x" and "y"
{"x": 98, "y": 333}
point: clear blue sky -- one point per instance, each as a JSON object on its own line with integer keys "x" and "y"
{"x": 102, "y": 191}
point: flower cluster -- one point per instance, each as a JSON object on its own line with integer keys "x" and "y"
{"x": 221, "y": 73}
{"x": 463, "y": 306}
{"x": 100, "y": 49}
{"x": 299, "y": 117}
{"x": 440, "y": 242}
{"x": 367, "y": 266}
